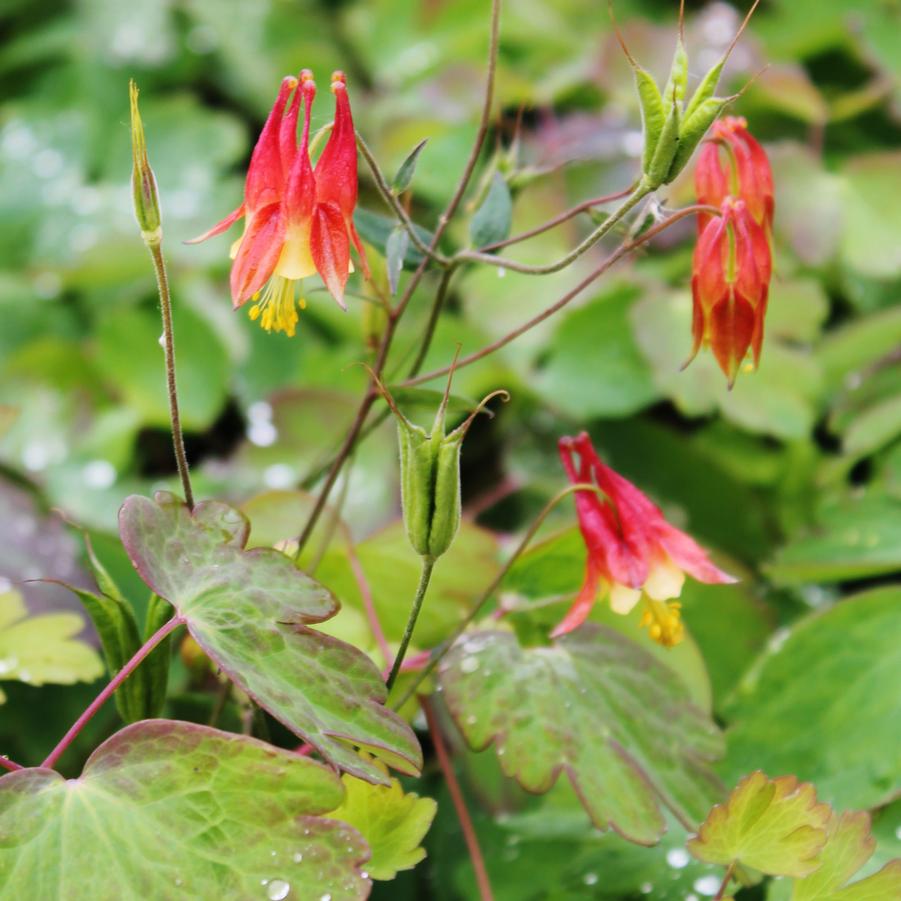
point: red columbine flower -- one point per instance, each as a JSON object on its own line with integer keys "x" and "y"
{"x": 297, "y": 222}
{"x": 730, "y": 281}
{"x": 632, "y": 550}
{"x": 732, "y": 162}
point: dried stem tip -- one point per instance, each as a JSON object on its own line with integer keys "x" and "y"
{"x": 143, "y": 181}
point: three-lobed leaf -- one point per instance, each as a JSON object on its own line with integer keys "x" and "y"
{"x": 773, "y": 825}
{"x": 596, "y": 706}
{"x": 165, "y": 809}
{"x": 393, "y": 823}
{"x": 250, "y": 611}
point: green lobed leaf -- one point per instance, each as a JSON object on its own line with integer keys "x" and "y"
{"x": 595, "y": 706}
{"x": 250, "y": 611}
{"x": 491, "y": 221}
{"x": 817, "y": 704}
{"x": 376, "y": 230}
{"x": 393, "y": 823}
{"x": 43, "y": 648}
{"x": 773, "y": 825}
{"x": 849, "y": 845}
{"x": 165, "y": 809}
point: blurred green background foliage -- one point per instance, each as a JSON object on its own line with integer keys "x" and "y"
{"x": 793, "y": 478}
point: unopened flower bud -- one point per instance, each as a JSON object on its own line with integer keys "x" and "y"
{"x": 143, "y": 181}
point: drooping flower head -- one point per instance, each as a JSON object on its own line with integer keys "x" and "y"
{"x": 731, "y": 270}
{"x": 732, "y": 162}
{"x": 297, "y": 222}
{"x": 633, "y": 552}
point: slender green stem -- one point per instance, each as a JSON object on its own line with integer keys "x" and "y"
{"x": 396, "y": 206}
{"x": 425, "y": 576}
{"x": 476, "y": 256}
{"x": 488, "y": 593}
{"x": 437, "y": 306}
{"x": 178, "y": 441}
{"x": 394, "y": 315}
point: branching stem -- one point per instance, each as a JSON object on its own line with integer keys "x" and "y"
{"x": 114, "y": 683}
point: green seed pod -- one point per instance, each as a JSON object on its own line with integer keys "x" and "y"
{"x": 430, "y": 477}
{"x": 143, "y": 181}
{"x": 677, "y": 83}
{"x": 667, "y": 146}
{"x": 692, "y": 133}
{"x": 653, "y": 115}
{"x": 706, "y": 89}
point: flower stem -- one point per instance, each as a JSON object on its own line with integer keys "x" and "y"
{"x": 623, "y": 250}
{"x": 488, "y": 593}
{"x": 428, "y": 564}
{"x": 372, "y": 393}
{"x": 178, "y": 441}
{"x": 725, "y": 883}
{"x": 476, "y": 256}
{"x": 453, "y": 786}
{"x": 114, "y": 683}
{"x": 10, "y": 765}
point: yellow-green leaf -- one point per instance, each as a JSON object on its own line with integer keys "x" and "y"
{"x": 39, "y": 649}
{"x": 393, "y": 823}
{"x": 773, "y": 825}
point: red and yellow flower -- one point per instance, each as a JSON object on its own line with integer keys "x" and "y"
{"x": 731, "y": 271}
{"x": 732, "y": 162}
{"x": 634, "y": 554}
{"x": 297, "y": 221}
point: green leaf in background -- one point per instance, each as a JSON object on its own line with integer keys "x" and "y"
{"x": 43, "y": 648}
{"x": 491, "y": 221}
{"x": 249, "y": 611}
{"x": 595, "y": 706}
{"x": 393, "y": 823}
{"x": 156, "y": 665}
{"x": 816, "y": 705}
{"x": 773, "y": 825}
{"x": 594, "y": 366}
{"x": 849, "y": 846}
{"x": 193, "y": 812}
{"x": 395, "y": 252}
{"x": 376, "y": 229}
{"x": 851, "y": 538}
{"x": 870, "y": 236}
{"x": 407, "y": 168}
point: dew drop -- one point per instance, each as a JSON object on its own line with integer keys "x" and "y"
{"x": 590, "y": 879}
{"x": 469, "y": 664}
{"x": 898, "y": 833}
{"x": 326, "y": 897}
{"x": 278, "y": 890}
{"x": 646, "y": 888}
{"x": 707, "y": 885}
{"x": 677, "y": 858}
{"x": 297, "y": 857}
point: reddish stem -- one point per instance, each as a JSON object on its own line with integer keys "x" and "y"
{"x": 368, "y": 604}
{"x": 571, "y": 213}
{"x": 453, "y": 786}
{"x": 10, "y": 765}
{"x": 114, "y": 683}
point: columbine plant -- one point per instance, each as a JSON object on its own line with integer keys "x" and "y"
{"x": 233, "y": 816}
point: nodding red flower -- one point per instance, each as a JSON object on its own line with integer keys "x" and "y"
{"x": 633, "y": 552}
{"x": 297, "y": 222}
{"x": 731, "y": 270}
{"x": 731, "y": 162}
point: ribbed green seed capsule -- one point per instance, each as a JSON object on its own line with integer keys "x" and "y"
{"x": 692, "y": 132}
{"x": 677, "y": 83}
{"x": 706, "y": 89}
{"x": 665, "y": 151}
{"x": 653, "y": 115}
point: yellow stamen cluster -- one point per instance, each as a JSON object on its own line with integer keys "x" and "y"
{"x": 663, "y": 622}
{"x": 276, "y": 308}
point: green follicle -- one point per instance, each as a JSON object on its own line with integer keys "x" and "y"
{"x": 665, "y": 151}
{"x": 692, "y": 132}
{"x": 430, "y": 476}
{"x": 653, "y": 114}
